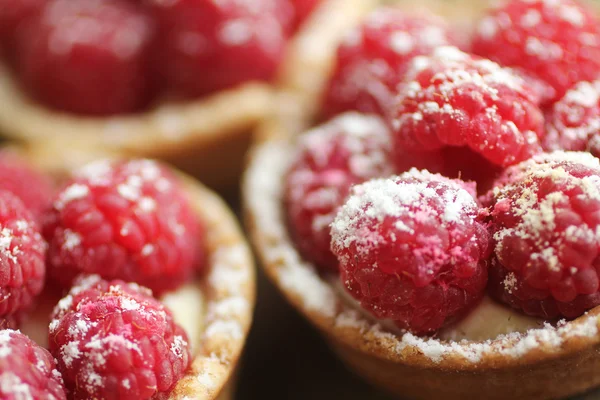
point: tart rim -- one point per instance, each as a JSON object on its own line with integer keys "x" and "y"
{"x": 225, "y": 329}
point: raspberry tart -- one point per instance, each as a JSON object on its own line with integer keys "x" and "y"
{"x": 169, "y": 321}
{"x": 145, "y": 79}
{"x": 458, "y": 195}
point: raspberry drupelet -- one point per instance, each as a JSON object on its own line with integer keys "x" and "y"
{"x": 453, "y": 99}
{"x": 544, "y": 218}
{"x": 573, "y": 122}
{"x": 32, "y": 187}
{"x": 22, "y": 256}
{"x": 125, "y": 220}
{"x": 557, "y": 41}
{"x": 204, "y": 46}
{"x": 412, "y": 249}
{"x": 113, "y": 340}
{"x": 372, "y": 60}
{"x": 27, "y": 370}
{"x": 87, "y": 57}
{"x": 331, "y": 158}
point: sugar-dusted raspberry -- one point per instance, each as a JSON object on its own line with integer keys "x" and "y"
{"x": 545, "y": 219}
{"x": 125, "y": 220}
{"x": 573, "y": 123}
{"x": 347, "y": 150}
{"x": 22, "y": 256}
{"x": 517, "y": 172}
{"x": 412, "y": 249}
{"x": 372, "y": 60}
{"x": 88, "y": 57}
{"x": 204, "y": 45}
{"x": 27, "y": 371}
{"x": 555, "y": 40}
{"x": 31, "y": 186}
{"x": 302, "y": 9}
{"x": 453, "y": 99}
{"x": 14, "y": 14}
{"x": 113, "y": 340}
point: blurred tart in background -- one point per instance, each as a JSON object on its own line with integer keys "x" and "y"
{"x": 184, "y": 81}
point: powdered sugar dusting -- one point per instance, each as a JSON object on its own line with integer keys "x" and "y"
{"x": 299, "y": 278}
{"x": 11, "y": 384}
{"x": 575, "y": 119}
{"x": 365, "y": 138}
{"x": 538, "y": 209}
{"x": 407, "y": 194}
{"x": 74, "y": 192}
{"x": 265, "y": 197}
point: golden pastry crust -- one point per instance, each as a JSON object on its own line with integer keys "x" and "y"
{"x": 227, "y": 290}
{"x": 546, "y": 363}
{"x": 206, "y": 138}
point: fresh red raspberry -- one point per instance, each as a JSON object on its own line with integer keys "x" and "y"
{"x": 113, "y": 340}
{"x": 545, "y": 219}
{"x": 31, "y": 186}
{"x": 517, "y": 172}
{"x": 573, "y": 123}
{"x": 22, "y": 256}
{"x": 453, "y": 99}
{"x": 123, "y": 220}
{"x": 555, "y": 40}
{"x": 88, "y": 57}
{"x": 204, "y": 46}
{"x": 27, "y": 371}
{"x": 347, "y": 150}
{"x": 14, "y": 13}
{"x": 372, "y": 60}
{"x": 412, "y": 249}
{"x": 302, "y": 9}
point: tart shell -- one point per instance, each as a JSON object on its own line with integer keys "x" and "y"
{"x": 546, "y": 363}
{"x": 227, "y": 289}
{"x": 206, "y": 138}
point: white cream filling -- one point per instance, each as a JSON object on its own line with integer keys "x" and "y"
{"x": 486, "y": 322}
{"x": 188, "y": 308}
{"x": 186, "y": 304}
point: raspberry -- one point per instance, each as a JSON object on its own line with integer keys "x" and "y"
{"x": 22, "y": 253}
{"x": 302, "y": 11}
{"x": 573, "y": 122}
{"x": 453, "y": 99}
{"x": 412, "y": 249}
{"x": 31, "y": 186}
{"x": 113, "y": 340}
{"x": 371, "y": 62}
{"x": 14, "y": 13}
{"x": 202, "y": 43}
{"x": 556, "y": 40}
{"x": 123, "y": 220}
{"x": 347, "y": 150}
{"x": 27, "y": 371}
{"x": 88, "y": 57}
{"x": 544, "y": 219}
